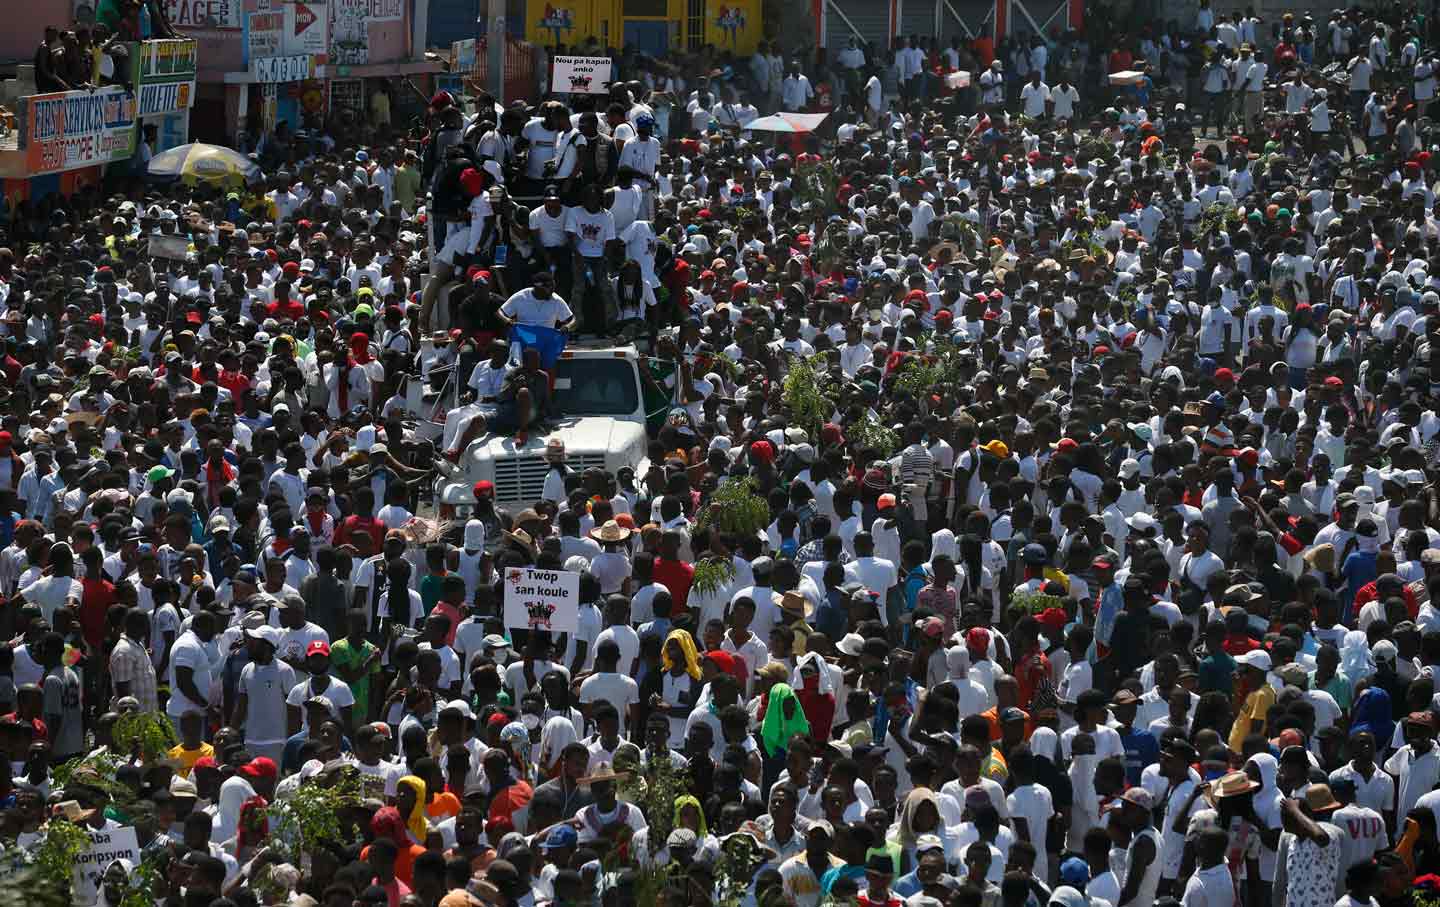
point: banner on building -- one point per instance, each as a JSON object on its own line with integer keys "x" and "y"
{"x": 581, "y": 75}
{"x": 204, "y": 13}
{"x": 264, "y": 35}
{"x": 306, "y": 30}
{"x": 349, "y": 32}
{"x": 386, "y": 10}
{"x": 542, "y": 600}
{"x": 289, "y": 68}
{"x": 165, "y": 97}
{"x": 166, "y": 61}
{"x": 71, "y": 129}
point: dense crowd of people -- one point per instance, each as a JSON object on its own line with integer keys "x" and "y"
{"x": 1041, "y": 508}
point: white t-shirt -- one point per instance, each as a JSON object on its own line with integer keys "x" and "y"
{"x": 525, "y": 308}
{"x": 592, "y": 231}
{"x": 50, "y": 592}
{"x": 337, "y": 693}
{"x": 551, "y": 229}
{"x": 1034, "y": 97}
{"x": 265, "y": 688}
{"x": 188, "y": 652}
{"x": 620, "y": 690}
{"x": 1065, "y": 100}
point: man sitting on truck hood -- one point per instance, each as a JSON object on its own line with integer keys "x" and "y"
{"x": 465, "y": 423}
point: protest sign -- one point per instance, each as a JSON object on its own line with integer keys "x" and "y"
{"x": 542, "y": 600}
{"x": 581, "y": 75}
{"x": 105, "y": 848}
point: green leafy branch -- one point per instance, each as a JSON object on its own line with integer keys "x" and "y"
{"x": 712, "y": 574}
{"x": 151, "y": 732}
{"x": 806, "y": 403}
{"x": 61, "y": 843}
{"x": 736, "y": 509}
{"x": 309, "y": 818}
{"x": 871, "y": 434}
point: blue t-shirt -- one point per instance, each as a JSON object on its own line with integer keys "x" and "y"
{"x": 1141, "y": 749}
{"x": 1359, "y": 571}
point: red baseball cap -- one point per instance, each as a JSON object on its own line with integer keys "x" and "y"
{"x": 1066, "y": 445}
{"x": 1224, "y": 374}
{"x": 318, "y": 647}
{"x": 977, "y": 638}
{"x": 260, "y": 767}
{"x": 484, "y": 488}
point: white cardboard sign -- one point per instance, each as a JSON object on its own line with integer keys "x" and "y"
{"x": 542, "y": 600}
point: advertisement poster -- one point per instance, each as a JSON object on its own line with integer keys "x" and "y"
{"x": 204, "y": 13}
{"x": 264, "y": 35}
{"x": 386, "y": 10}
{"x": 166, "y": 61}
{"x": 306, "y": 30}
{"x": 542, "y": 600}
{"x": 71, "y": 129}
{"x": 349, "y": 32}
{"x": 165, "y": 97}
{"x": 581, "y": 75}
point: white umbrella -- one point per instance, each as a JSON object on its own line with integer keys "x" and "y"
{"x": 787, "y": 122}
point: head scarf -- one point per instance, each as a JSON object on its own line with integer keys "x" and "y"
{"x": 516, "y": 738}
{"x": 776, "y": 729}
{"x": 416, "y": 821}
{"x": 558, "y": 733}
{"x": 687, "y": 646}
{"x": 474, "y": 535}
{"x": 386, "y": 823}
{"x": 688, "y": 800}
{"x": 944, "y": 543}
{"x": 1356, "y": 660}
{"x": 728, "y": 663}
{"x": 254, "y": 827}
{"x": 126, "y": 865}
{"x": 1268, "y": 798}
{"x": 913, "y": 801}
{"x": 359, "y": 348}
{"x": 825, "y": 684}
{"x": 1372, "y": 712}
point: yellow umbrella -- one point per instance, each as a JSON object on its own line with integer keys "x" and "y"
{"x": 201, "y": 163}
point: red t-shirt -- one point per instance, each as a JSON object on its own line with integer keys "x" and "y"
{"x": 95, "y": 601}
{"x": 366, "y": 524}
{"x": 677, "y": 577}
{"x": 1233, "y": 646}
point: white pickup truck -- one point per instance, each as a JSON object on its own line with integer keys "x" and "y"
{"x": 601, "y": 409}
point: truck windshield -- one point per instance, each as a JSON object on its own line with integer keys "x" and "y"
{"x": 596, "y": 387}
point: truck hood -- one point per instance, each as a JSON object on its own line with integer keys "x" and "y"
{"x": 603, "y": 441}
{"x": 584, "y": 434}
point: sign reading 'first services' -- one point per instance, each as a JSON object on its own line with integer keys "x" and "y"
{"x": 72, "y": 129}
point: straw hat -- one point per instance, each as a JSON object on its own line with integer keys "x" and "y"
{"x": 523, "y": 539}
{"x": 796, "y": 605}
{"x": 1231, "y": 784}
{"x": 612, "y": 531}
{"x": 1321, "y": 557}
{"x": 1319, "y": 799}
{"x": 604, "y": 771}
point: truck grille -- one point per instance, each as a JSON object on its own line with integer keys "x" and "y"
{"x": 523, "y": 478}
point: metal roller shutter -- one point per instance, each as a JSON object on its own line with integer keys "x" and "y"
{"x": 871, "y": 18}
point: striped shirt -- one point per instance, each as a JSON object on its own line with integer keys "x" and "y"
{"x": 916, "y": 465}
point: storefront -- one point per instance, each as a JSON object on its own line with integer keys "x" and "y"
{"x": 652, "y": 26}
{"x": 164, "y": 77}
